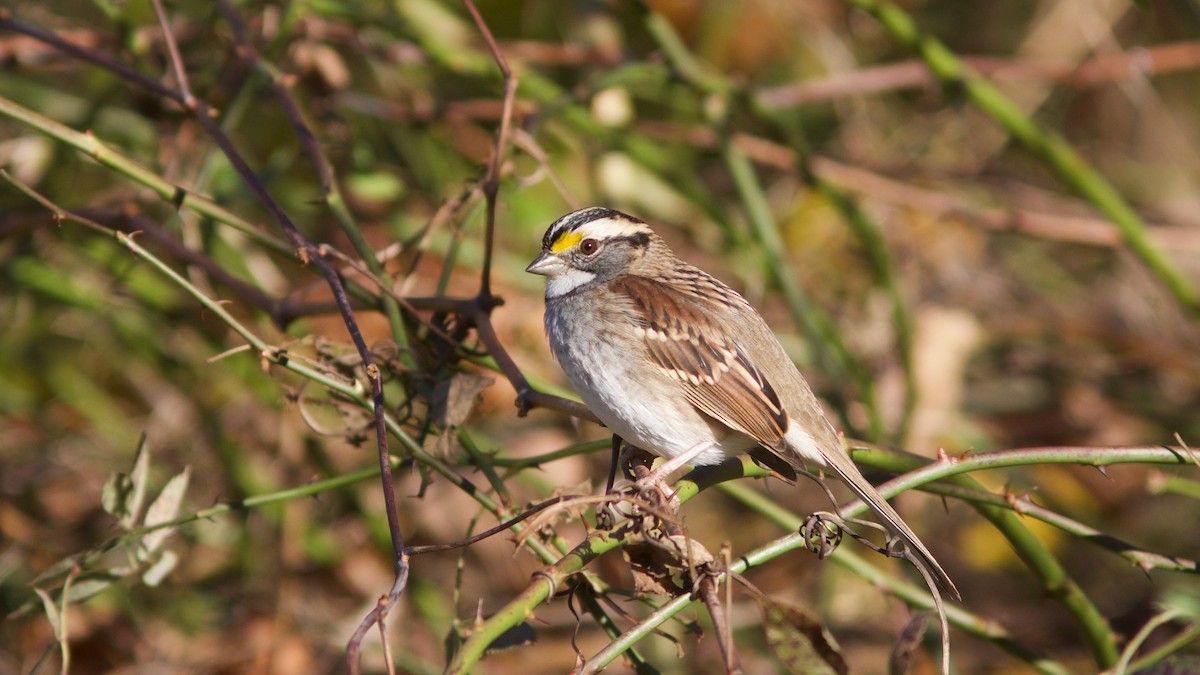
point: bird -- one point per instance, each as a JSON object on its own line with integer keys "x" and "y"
{"x": 677, "y": 363}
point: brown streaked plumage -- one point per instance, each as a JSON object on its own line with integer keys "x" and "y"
{"x": 674, "y": 361}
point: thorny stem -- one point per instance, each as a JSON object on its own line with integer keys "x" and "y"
{"x": 478, "y": 311}
{"x": 310, "y": 253}
{"x": 325, "y": 174}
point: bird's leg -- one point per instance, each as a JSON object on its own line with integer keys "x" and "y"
{"x": 658, "y": 477}
{"x": 606, "y": 516}
{"x": 616, "y": 461}
{"x": 679, "y": 461}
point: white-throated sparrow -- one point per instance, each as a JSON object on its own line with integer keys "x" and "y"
{"x": 677, "y": 363}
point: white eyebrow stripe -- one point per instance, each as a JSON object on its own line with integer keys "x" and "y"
{"x": 610, "y": 228}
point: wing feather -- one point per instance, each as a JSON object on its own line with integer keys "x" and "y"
{"x": 718, "y": 377}
{"x": 721, "y": 381}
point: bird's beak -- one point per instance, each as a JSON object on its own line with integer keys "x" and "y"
{"x": 546, "y": 264}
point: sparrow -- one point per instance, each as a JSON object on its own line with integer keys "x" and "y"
{"x": 678, "y": 364}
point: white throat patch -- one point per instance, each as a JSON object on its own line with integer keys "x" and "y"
{"x": 566, "y": 281}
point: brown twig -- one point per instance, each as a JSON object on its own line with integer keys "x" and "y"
{"x": 1075, "y": 229}
{"x": 475, "y": 312}
{"x": 384, "y": 287}
{"x": 530, "y": 146}
{"x": 176, "y": 61}
{"x": 204, "y": 115}
{"x": 309, "y": 253}
{"x": 90, "y": 55}
{"x": 720, "y": 619}
{"x": 382, "y": 607}
{"x": 506, "y": 525}
{"x": 912, "y": 74}
{"x": 478, "y": 312}
{"x": 528, "y": 398}
{"x": 415, "y": 113}
{"x": 491, "y": 179}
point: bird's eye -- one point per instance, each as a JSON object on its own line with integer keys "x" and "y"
{"x": 589, "y": 246}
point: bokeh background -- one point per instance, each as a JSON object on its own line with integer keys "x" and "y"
{"x": 942, "y": 286}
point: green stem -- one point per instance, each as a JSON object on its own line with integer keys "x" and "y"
{"x": 915, "y": 596}
{"x": 1146, "y": 560}
{"x": 88, "y": 144}
{"x": 823, "y": 334}
{"x": 1053, "y": 577}
{"x": 1167, "y": 484}
{"x": 1183, "y": 639}
{"x": 1122, "y": 666}
{"x": 881, "y": 262}
{"x": 1051, "y": 147}
{"x": 515, "y": 463}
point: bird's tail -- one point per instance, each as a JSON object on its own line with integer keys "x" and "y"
{"x": 846, "y": 470}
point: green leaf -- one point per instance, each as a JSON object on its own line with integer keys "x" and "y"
{"x": 160, "y": 569}
{"x": 378, "y": 186}
{"x": 124, "y": 494}
{"x": 1180, "y": 664}
{"x": 83, "y": 589}
{"x": 56, "y": 570}
{"x": 51, "y": 610}
{"x": 164, "y": 509}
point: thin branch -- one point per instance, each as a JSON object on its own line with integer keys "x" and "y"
{"x": 90, "y": 55}
{"x": 377, "y": 615}
{"x": 1140, "y": 62}
{"x": 280, "y": 84}
{"x": 528, "y": 398}
{"x": 309, "y": 253}
{"x": 491, "y": 179}
{"x": 178, "y": 196}
{"x": 506, "y": 525}
{"x": 1146, "y": 560}
{"x": 720, "y": 618}
{"x": 1071, "y": 228}
{"x": 1049, "y": 146}
{"x": 176, "y": 61}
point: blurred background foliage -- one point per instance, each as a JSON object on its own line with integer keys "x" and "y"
{"x": 942, "y": 287}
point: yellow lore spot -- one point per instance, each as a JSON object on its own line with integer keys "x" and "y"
{"x": 565, "y": 241}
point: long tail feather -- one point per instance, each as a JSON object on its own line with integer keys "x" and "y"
{"x": 849, "y": 473}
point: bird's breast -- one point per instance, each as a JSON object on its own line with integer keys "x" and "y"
{"x": 611, "y": 372}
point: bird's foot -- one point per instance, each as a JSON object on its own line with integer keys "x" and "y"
{"x": 655, "y": 482}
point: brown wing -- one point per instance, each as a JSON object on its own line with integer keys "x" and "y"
{"x": 717, "y": 376}
{"x": 720, "y": 380}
